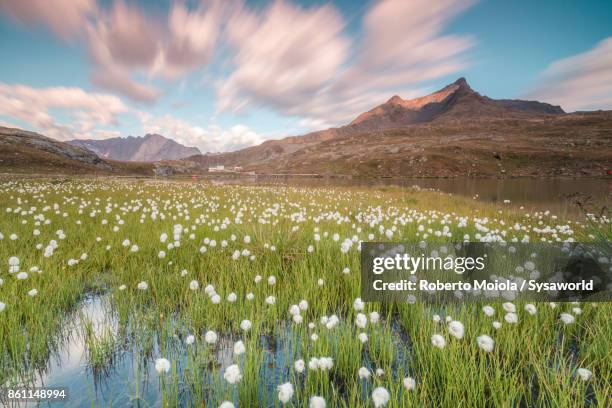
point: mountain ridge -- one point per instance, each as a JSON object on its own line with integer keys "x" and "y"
{"x": 426, "y": 136}
{"x": 148, "y": 148}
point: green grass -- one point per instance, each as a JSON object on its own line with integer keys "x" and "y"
{"x": 533, "y": 363}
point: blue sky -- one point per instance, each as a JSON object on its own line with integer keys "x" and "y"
{"x": 222, "y": 75}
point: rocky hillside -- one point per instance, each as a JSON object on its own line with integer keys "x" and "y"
{"x": 149, "y": 148}
{"x": 28, "y": 152}
{"x": 452, "y": 132}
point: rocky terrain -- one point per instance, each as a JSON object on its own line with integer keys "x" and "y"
{"x": 28, "y": 152}
{"x": 450, "y": 133}
{"x": 149, "y": 148}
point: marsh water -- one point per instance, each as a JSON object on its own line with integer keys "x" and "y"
{"x": 555, "y": 194}
{"x": 128, "y": 377}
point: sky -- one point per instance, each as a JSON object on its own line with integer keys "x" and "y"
{"x": 223, "y": 75}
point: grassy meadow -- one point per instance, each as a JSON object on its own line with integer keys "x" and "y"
{"x": 249, "y": 296}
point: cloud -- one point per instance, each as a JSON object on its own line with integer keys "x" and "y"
{"x": 298, "y": 60}
{"x": 87, "y": 110}
{"x": 283, "y": 55}
{"x": 120, "y": 42}
{"x": 65, "y": 18}
{"x": 126, "y": 41}
{"x": 119, "y": 80}
{"x": 579, "y": 82}
{"x": 192, "y": 36}
{"x": 208, "y": 139}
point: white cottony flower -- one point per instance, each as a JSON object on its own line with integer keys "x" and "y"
{"x": 374, "y": 317}
{"x": 485, "y": 342}
{"x": 409, "y": 383}
{"x": 272, "y": 280}
{"x": 33, "y": 292}
{"x": 250, "y": 296}
{"x": 567, "y": 318}
{"x": 299, "y": 366}
{"x": 162, "y": 365}
{"x": 326, "y": 363}
{"x": 22, "y": 276}
{"x": 232, "y": 374}
{"x": 226, "y": 404}
{"x": 358, "y": 304}
{"x": 380, "y": 396}
{"x": 232, "y": 297}
{"x": 531, "y": 309}
{"x": 438, "y": 341}
{"x": 210, "y": 337}
{"x": 456, "y": 329}
{"x": 380, "y": 372}
{"x": 190, "y": 339}
{"x": 363, "y": 373}
{"x": 509, "y": 307}
{"x": 361, "y": 320}
{"x": 239, "y": 348}
{"x": 488, "y": 310}
{"x": 511, "y": 318}
{"x": 122, "y": 287}
{"x": 143, "y": 285}
{"x": 313, "y": 364}
{"x": 270, "y": 300}
{"x": 497, "y": 325}
{"x": 245, "y": 325}
{"x": 2, "y": 306}
{"x": 303, "y": 305}
{"x": 363, "y": 337}
{"x": 285, "y": 392}
{"x": 194, "y": 285}
{"x": 297, "y": 319}
{"x": 294, "y": 310}
{"x": 584, "y": 374}
{"x": 317, "y": 402}
{"x": 216, "y": 299}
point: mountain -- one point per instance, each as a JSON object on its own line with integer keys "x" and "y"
{"x": 452, "y": 132}
{"x": 149, "y": 148}
{"x": 22, "y": 151}
{"x": 457, "y": 101}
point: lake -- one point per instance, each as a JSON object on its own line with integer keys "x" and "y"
{"x": 557, "y": 195}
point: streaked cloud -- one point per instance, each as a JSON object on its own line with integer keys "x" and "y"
{"x": 300, "y": 61}
{"x": 282, "y": 55}
{"x": 88, "y": 111}
{"x": 580, "y": 82}
{"x": 66, "y": 18}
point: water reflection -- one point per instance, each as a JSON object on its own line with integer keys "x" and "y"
{"x": 129, "y": 377}
{"x": 558, "y": 195}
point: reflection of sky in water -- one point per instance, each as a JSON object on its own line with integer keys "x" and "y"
{"x": 556, "y": 195}
{"x": 128, "y": 376}
{"x": 68, "y": 367}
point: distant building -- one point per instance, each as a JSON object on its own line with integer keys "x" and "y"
{"x": 216, "y": 169}
{"x": 237, "y": 168}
